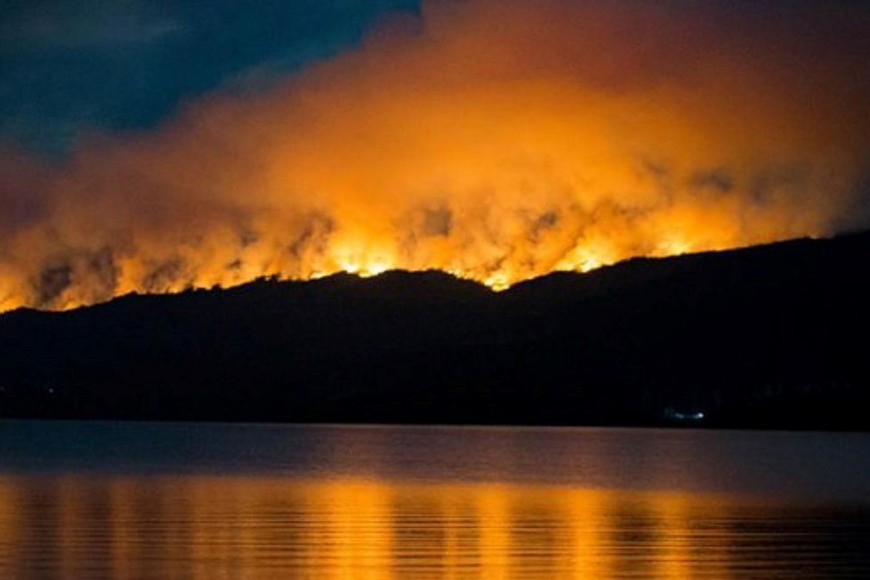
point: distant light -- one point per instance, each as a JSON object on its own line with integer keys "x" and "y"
{"x": 672, "y": 413}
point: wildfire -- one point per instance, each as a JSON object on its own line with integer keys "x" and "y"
{"x": 363, "y": 265}
{"x": 495, "y": 140}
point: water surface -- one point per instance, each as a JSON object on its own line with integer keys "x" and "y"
{"x": 149, "y": 500}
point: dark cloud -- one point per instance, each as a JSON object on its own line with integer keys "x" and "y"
{"x": 97, "y": 25}
{"x": 71, "y": 67}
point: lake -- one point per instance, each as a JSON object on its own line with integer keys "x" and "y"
{"x": 169, "y": 500}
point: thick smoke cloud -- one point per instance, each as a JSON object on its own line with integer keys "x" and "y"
{"x": 495, "y": 139}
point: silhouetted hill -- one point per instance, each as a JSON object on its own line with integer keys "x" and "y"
{"x": 770, "y": 336}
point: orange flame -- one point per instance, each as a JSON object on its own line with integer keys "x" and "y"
{"x": 497, "y": 140}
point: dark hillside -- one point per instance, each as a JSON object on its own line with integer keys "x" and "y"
{"x": 771, "y": 336}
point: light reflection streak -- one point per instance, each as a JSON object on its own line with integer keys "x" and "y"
{"x": 214, "y": 527}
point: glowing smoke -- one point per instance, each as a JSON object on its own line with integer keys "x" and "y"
{"x": 495, "y": 139}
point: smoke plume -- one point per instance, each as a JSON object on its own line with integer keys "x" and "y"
{"x": 495, "y": 139}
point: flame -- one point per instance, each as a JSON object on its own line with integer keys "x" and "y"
{"x": 495, "y": 140}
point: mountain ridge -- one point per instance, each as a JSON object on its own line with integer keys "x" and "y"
{"x": 754, "y": 337}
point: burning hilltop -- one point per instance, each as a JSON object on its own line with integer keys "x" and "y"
{"x": 496, "y": 140}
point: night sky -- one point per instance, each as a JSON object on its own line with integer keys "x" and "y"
{"x": 72, "y": 66}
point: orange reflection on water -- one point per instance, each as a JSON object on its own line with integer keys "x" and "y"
{"x": 229, "y": 527}
{"x": 358, "y": 528}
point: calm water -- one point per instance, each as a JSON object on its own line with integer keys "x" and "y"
{"x": 145, "y": 500}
